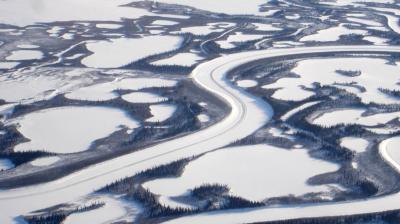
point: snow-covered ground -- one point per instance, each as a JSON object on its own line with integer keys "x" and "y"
{"x": 266, "y": 27}
{"x": 332, "y": 34}
{"x": 45, "y": 161}
{"x": 164, "y": 23}
{"x": 223, "y": 6}
{"x": 108, "y": 26}
{"x": 355, "y": 144}
{"x": 8, "y": 65}
{"x": 247, "y": 83}
{"x": 375, "y": 74}
{"x": 22, "y": 55}
{"x": 203, "y": 118}
{"x": 249, "y": 171}
{"x": 376, "y": 40}
{"x": 389, "y": 151}
{"x": 201, "y": 30}
{"x": 292, "y": 112}
{"x": 354, "y": 116}
{"x": 115, "y": 53}
{"x": 43, "y": 84}
{"x": 247, "y": 115}
{"x": 115, "y": 209}
{"x": 104, "y": 91}
{"x": 286, "y": 44}
{"x": 161, "y": 112}
{"x": 27, "y": 46}
{"x": 181, "y": 59}
{"x": 354, "y": 2}
{"x": 143, "y": 97}
{"x": 238, "y": 37}
{"x": 364, "y": 21}
{"x": 69, "y": 129}
{"x": 45, "y": 11}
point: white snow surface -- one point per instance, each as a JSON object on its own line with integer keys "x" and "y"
{"x": 111, "y": 26}
{"x": 375, "y": 74}
{"x": 332, "y": 34}
{"x": 354, "y": 2}
{"x": 28, "y": 87}
{"x": 200, "y": 30}
{"x": 47, "y": 11}
{"x": 69, "y": 129}
{"x": 234, "y": 7}
{"x": 143, "y": 97}
{"x": 203, "y": 118}
{"x": 104, "y": 91}
{"x": 115, "y": 209}
{"x": 115, "y": 53}
{"x": 247, "y": 83}
{"x": 8, "y": 65}
{"x": 367, "y": 22}
{"x": 22, "y": 55}
{"x": 27, "y": 46}
{"x": 164, "y": 23}
{"x": 248, "y": 172}
{"x": 238, "y": 37}
{"x": 355, "y": 144}
{"x": 266, "y": 27}
{"x": 161, "y": 112}
{"x": 248, "y": 114}
{"x": 354, "y": 116}
{"x": 45, "y": 161}
{"x": 292, "y": 112}
{"x": 376, "y": 40}
{"x": 389, "y": 151}
{"x": 181, "y": 59}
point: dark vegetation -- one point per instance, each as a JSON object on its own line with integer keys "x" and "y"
{"x": 59, "y": 216}
{"x": 349, "y": 73}
{"x": 209, "y": 197}
{"x": 387, "y": 217}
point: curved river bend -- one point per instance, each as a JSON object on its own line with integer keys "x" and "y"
{"x": 248, "y": 113}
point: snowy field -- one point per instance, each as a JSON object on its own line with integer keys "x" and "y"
{"x": 247, "y": 83}
{"x": 28, "y": 87}
{"x": 143, "y": 97}
{"x": 22, "y": 55}
{"x": 105, "y": 91}
{"x": 69, "y": 129}
{"x": 238, "y": 37}
{"x": 206, "y": 29}
{"x": 223, "y": 6}
{"x": 46, "y": 11}
{"x": 332, "y": 34}
{"x": 354, "y": 2}
{"x": 375, "y": 74}
{"x": 357, "y": 145}
{"x": 113, "y": 52}
{"x": 45, "y": 161}
{"x": 161, "y": 112}
{"x": 181, "y": 59}
{"x": 354, "y": 116}
{"x": 249, "y": 172}
{"x": 127, "y": 50}
{"x": 114, "y": 209}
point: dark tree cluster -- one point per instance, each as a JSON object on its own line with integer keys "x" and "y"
{"x": 387, "y": 217}
{"x": 58, "y": 217}
{"x": 19, "y": 158}
{"x": 390, "y": 92}
{"x": 349, "y": 73}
